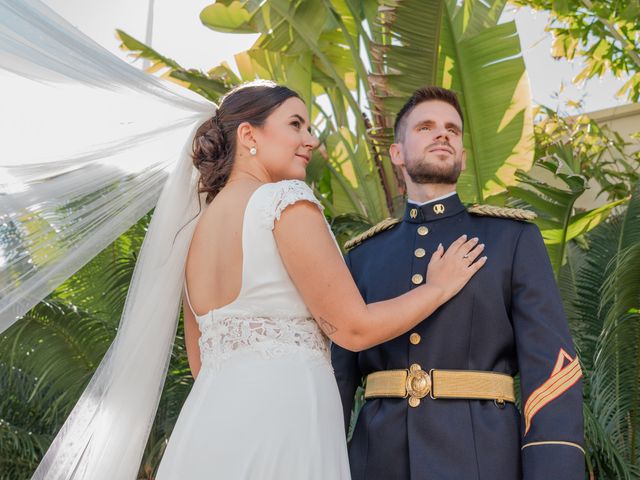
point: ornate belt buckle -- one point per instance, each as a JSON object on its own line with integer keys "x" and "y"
{"x": 418, "y": 384}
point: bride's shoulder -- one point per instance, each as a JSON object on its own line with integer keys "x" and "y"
{"x": 289, "y": 185}
{"x": 279, "y": 195}
{"x": 288, "y": 191}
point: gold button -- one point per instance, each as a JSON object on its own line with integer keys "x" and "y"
{"x": 414, "y": 402}
{"x": 420, "y": 252}
{"x": 417, "y": 279}
{"x": 414, "y": 338}
{"x": 422, "y": 231}
{"x": 413, "y": 213}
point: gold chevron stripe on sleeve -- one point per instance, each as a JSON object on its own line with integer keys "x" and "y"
{"x": 561, "y": 379}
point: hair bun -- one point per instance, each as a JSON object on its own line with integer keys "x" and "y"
{"x": 209, "y": 151}
{"x": 209, "y": 143}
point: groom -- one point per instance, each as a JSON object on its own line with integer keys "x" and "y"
{"x": 440, "y": 399}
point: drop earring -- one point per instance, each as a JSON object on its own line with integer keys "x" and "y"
{"x": 253, "y": 151}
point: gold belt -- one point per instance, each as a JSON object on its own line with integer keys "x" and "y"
{"x": 416, "y": 384}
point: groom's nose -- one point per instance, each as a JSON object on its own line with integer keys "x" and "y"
{"x": 441, "y": 134}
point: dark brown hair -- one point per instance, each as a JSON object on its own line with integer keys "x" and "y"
{"x": 421, "y": 95}
{"x": 214, "y": 145}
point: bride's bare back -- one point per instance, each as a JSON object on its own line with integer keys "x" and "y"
{"x": 214, "y": 262}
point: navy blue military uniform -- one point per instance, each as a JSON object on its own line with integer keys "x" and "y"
{"x": 508, "y": 319}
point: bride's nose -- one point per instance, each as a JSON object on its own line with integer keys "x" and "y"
{"x": 311, "y": 141}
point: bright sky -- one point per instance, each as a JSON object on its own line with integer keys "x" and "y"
{"x": 178, "y": 34}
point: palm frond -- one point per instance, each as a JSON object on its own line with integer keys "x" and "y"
{"x": 606, "y": 322}
{"x": 211, "y": 86}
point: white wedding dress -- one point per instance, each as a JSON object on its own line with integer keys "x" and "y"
{"x": 265, "y": 404}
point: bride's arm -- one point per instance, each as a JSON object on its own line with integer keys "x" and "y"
{"x": 191, "y": 337}
{"x": 318, "y": 270}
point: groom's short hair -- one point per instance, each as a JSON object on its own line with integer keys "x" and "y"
{"x": 421, "y": 95}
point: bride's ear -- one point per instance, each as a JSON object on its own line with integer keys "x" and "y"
{"x": 246, "y": 137}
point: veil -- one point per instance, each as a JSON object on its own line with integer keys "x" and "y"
{"x": 89, "y": 144}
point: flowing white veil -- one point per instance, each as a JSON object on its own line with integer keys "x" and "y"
{"x": 88, "y": 145}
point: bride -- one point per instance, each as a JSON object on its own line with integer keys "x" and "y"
{"x": 265, "y": 290}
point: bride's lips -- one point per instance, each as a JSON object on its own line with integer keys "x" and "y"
{"x": 304, "y": 157}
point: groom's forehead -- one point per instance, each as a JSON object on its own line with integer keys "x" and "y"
{"x": 436, "y": 112}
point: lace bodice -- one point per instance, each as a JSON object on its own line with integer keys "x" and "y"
{"x": 269, "y": 316}
{"x": 224, "y": 335}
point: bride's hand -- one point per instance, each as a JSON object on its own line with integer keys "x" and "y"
{"x": 451, "y": 270}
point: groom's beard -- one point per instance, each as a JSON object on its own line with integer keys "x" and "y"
{"x": 423, "y": 170}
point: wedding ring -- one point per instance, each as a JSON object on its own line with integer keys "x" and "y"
{"x": 466, "y": 255}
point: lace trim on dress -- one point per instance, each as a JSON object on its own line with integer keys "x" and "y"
{"x": 224, "y": 334}
{"x": 288, "y": 192}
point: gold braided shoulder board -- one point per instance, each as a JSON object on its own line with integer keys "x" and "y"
{"x": 502, "y": 212}
{"x": 385, "y": 224}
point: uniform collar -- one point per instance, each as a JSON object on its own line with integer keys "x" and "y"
{"x": 441, "y": 197}
{"x": 441, "y": 208}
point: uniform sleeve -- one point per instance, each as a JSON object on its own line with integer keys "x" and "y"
{"x": 550, "y": 374}
{"x": 348, "y": 377}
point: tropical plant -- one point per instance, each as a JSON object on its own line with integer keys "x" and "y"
{"x": 604, "y": 157}
{"x": 604, "y": 35}
{"x": 558, "y": 219}
{"x": 572, "y": 155}
{"x": 48, "y": 357}
{"x": 601, "y": 289}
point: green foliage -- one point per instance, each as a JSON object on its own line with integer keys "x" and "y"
{"x": 48, "y": 357}
{"x": 603, "y": 308}
{"x": 573, "y": 155}
{"x": 557, "y": 218}
{"x": 600, "y": 153}
{"x": 603, "y": 34}
{"x": 211, "y": 86}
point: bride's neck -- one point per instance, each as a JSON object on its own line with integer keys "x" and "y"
{"x": 251, "y": 171}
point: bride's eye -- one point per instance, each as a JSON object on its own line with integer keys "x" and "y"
{"x": 296, "y": 123}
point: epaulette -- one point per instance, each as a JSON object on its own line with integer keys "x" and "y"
{"x": 502, "y": 212}
{"x": 385, "y": 224}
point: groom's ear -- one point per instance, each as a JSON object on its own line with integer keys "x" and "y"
{"x": 246, "y": 136}
{"x": 396, "y": 154}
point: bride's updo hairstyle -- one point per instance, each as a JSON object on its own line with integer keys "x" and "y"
{"x": 214, "y": 145}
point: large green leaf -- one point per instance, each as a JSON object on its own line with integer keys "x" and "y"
{"x": 460, "y": 46}
{"x": 482, "y": 61}
{"x": 557, "y": 218}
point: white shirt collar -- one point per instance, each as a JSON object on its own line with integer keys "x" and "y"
{"x": 442, "y": 197}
